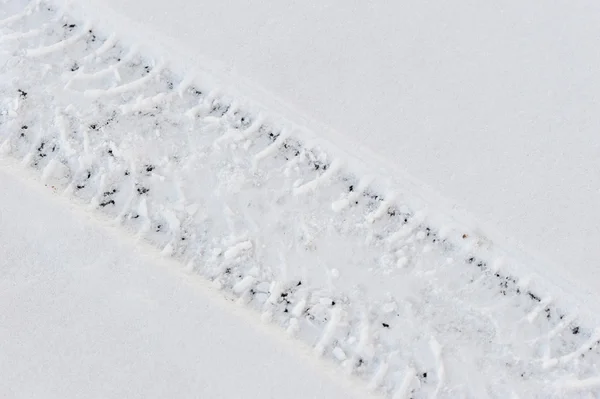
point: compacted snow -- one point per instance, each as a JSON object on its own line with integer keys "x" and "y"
{"x": 292, "y": 228}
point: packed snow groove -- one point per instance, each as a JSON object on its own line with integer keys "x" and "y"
{"x": 275, "y": 224}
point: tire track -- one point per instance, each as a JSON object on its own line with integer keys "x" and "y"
{"x": 277, "y": 225}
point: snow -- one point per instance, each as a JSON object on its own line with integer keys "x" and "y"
{"x": 290, "y": 227}
{"x": 490, "y": 106}
{"x": 85, "y": 313}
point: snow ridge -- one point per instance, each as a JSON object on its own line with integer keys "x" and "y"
{"x": 276, "y": 224}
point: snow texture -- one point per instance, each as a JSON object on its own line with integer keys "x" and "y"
{"x": 491, "y": 105}
{"x": 281, "y": 225}
{"x": 84, "y": 316}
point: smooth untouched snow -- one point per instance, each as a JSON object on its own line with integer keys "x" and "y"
{"x": 84, "y": 315}
{"x": 493, "y": 105}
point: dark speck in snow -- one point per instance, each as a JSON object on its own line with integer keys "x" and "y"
{"x": 111, "y": 202}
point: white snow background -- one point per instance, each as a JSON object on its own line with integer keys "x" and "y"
{"x": 294, "y": 155}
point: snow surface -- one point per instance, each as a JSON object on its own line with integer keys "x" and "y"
{"x": 84, "y": 314}
{"x": 287, "y": 226}
{"x": 493, "y": 105}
